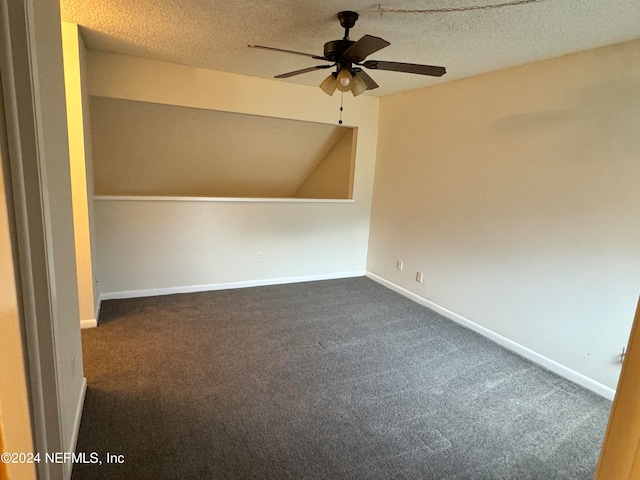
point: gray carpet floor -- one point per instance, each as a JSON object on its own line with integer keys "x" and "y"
{"x": 339, "y": 379}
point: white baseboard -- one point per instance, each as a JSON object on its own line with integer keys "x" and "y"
{"x": 153, "y": 292}
{"x": 89, "y": 323}
{"x": 541, "y": 360}
{"x": 73, "y": 441}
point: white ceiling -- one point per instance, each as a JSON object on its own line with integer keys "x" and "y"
{"x": 214, "y": 34}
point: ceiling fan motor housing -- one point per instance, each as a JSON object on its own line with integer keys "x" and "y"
{"x": 334, "y": 49}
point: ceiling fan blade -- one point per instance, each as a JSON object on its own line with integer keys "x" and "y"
{"x": 304, "y": 70}
{"x": 364, "y": 47}
{"x": 406, "y": 67}
{"x": 371, "y": 84}
{"x": 287, "y": 51}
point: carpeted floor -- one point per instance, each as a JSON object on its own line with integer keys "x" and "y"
{"x": 340, "y": 379}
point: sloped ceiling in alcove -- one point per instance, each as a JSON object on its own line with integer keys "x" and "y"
{"x": 142, "y": 148}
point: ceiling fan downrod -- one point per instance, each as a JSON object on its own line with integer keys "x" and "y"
{"x": 347, "y": 21}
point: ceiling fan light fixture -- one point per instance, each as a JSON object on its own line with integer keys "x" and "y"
{"x": 329, "y": 84}
{"x": 359, "y": 85}
{"x": 345, "y": 54}
{"x": 345, "y": 80}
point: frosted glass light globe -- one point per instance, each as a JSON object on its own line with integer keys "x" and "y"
{"x": 344, "y": 80}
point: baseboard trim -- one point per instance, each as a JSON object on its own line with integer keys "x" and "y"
{"x": 521, "y": 350}
{"x": 76, "y": 427}
{"x": 153, "y": 292}
{"x": 89, "y": 323}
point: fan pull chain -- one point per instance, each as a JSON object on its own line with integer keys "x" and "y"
{"x": 341, "y": 98}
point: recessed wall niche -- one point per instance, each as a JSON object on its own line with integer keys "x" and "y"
{"x": 151, "y": 149}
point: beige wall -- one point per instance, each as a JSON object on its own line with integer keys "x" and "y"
{"x": 333, "y": 175}
{"x": 3, "y": 468}
{"x": 150, "y": 245}
{"x": 143, "y": 148}
{"x": 517, "y": 194}
{"x": 72, "y": 45}
{"x": 88, "y": 157}
{"x": 15, "y": 423}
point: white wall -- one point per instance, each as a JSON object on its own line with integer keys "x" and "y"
{"x": 156, "y": 245}
{"x": 517, "y": 193}
{"x": 54, "y": 170}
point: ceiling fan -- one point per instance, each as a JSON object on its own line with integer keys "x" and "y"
{"x": 349, "y": 56}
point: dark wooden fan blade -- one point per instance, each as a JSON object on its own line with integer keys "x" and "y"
{"x": 371, "y": 84}
{"x": 287, "y": 51}
{"x": 405, "y": 67}
{"x": 304, "y": 70}
{"x": 364, "y": 47}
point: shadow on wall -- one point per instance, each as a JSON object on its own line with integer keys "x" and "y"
{"x": 612, "y": 98}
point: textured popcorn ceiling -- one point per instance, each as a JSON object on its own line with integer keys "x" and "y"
{"x": 214, "y": 34}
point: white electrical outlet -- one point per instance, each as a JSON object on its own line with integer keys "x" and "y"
{"x": 259, "y": 257}
{"x": 419, "y": 277}
{"x": 399, "y": 265}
